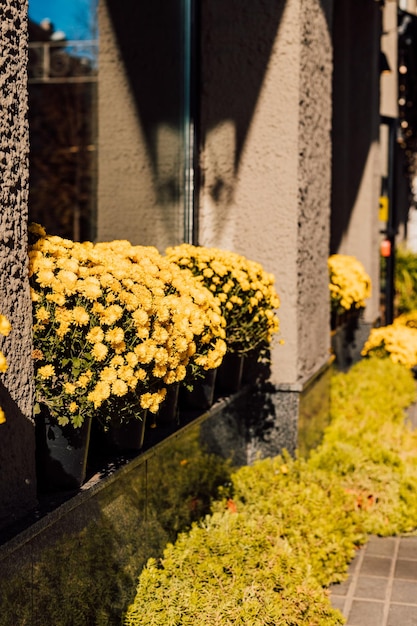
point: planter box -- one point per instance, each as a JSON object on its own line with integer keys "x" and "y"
{"x": 348, "y": 339}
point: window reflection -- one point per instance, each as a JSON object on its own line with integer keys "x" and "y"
{"x": 62, "y": 77}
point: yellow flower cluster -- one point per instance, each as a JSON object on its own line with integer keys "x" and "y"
{"x": 245, "y": 290}
{"x": 5, "y": 329}
{"x": 114, "y": 324}
{"x": 397, "y": 341}
{"x": 350, "y": 285}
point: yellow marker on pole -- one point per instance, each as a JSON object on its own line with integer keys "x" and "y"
{"x": 383, "y": 208}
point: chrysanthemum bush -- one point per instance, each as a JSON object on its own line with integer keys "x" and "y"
{"x": 350, "y": 285}
{"x": 245, "y": 290}
{"x": 5, "y": 329}
{"x": 114, "y": 325}
{"x": 397, "y": 341}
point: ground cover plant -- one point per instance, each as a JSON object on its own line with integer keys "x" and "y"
{"x": 286, "y": 528}
{"x": 405, "y": 280}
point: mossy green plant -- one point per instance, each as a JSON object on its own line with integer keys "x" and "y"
{"x": 286, "y": 528}
{"x": 405, "y": 280}
{"x": 232, "y": 569}
{"x": 310, "y": 510}
{"x": 370, "y": 447}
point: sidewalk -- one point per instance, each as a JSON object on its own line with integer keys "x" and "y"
{"x": 381, "y": 589}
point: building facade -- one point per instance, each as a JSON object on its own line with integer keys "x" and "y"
{"x": 251, "y": 126}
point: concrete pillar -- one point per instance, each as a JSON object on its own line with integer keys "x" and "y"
{"x": 265, "y": 158}
{"x": 17, "y": 444}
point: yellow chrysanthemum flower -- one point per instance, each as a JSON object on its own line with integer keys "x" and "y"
{"x": 99, "y": 351}
{"x": 45, "y": 277}
{"x": 119, "y": 388}
{"x": 68, "y": 280}
{"x": 95, "y": 335}
{"x": 115, "y": 335}
{"x": 84, "y": 379}
{"x": 42, "y": 314}
{"x": 46, "y": 371}
{"x": 3, "y": 363}
{"x": 69, "y": 388}
{"x": 80, "y": 316}
{"x": 56, "y": 298}
{"x": 5, "y": 326}
{"x": 90, "y": 288}
{"x": 111, "y": 314}
{"x": 108, "y": 374}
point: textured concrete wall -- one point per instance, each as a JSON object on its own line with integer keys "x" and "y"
{"x": 265, "y": 117}
{"x": 140, "y": 134}
{"x": 17, "y": 446}
{"x": 265, "y": 155}
{"x": 357, "y": 165}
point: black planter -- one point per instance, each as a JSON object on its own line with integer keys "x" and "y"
{"x": 229, "y": 374}
{"x": 128, "y": 436}
{"x": 61, "y": 453}
{"x": 201, "y": 398}
{"x": 168, "y": 414}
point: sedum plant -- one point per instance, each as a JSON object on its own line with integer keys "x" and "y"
{"x": 245, "y": 290}
{"x": 349, "y": 284}
{"x": 114, "y": 324}
{"x": 405, "y": 280}
{"x": 369, "y": 446}
{"x": 234, "y": 568}
{"x": 285, "y": 528}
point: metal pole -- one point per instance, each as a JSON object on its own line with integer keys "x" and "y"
{"x": 391, "y": 231}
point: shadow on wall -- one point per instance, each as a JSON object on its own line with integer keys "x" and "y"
{"x": 232, "y": 52}
{"x": 236, "y": 42}
{"x": 355, "y": 125}
{"x": 17, "y": 462}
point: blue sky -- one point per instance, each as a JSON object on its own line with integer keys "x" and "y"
{"x": 75, "y": 17}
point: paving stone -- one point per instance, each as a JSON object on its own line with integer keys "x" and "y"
{"x": 406, "y": 569}
{"x": 371, "y": 587}
{"x": 342, "y": 589}
{"x": 354, "y": 564}
{"x": 364, "y": 613}
{"x": 338, "y": 602}
{"x": 404, "y": 591}
{"x": 408, "y": 548}
{"x": 384, "y": 575}
{"x": 381, "y": 546}
{"x": 402, "y": 615}
{"x": 376, "y": 565}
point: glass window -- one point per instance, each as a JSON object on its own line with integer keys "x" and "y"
{"x": 62, "y": 75}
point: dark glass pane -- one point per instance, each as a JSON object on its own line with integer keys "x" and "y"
{"x": 62, "y": 74}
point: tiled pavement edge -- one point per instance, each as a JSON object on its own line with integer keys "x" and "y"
{"x": 381, "y": 589}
